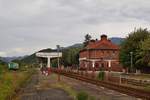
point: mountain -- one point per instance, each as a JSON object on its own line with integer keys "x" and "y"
{"x": 77, "y": 45}
{"x": 9, "y": 59}
{"x": 32, "y": 58}
{"x": 29, "y": 59}
{"x": 48, "y": 50}
{"x": 117, "y": 40}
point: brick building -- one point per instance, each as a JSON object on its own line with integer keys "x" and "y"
{"x": 100, "y": 54}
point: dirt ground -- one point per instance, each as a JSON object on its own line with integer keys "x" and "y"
{"x": 48, "y": 88}
{"x": 38, "y": 89}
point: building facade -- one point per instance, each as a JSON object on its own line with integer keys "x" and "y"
{"x": 100, "y": 54}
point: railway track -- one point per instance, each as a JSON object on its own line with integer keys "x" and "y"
{"x": 123, "y": 89}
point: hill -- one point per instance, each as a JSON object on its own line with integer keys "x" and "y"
{"x": 32, "y": 58}
{"x": 116, "y": 40}
{"x": 2, "y": 62}
{"x": 9, "y": 59}
{"x": 78, "y": 45}
{"x": 29, "y": 59}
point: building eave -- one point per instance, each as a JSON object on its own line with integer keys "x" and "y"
{"x": 98, "y": 49}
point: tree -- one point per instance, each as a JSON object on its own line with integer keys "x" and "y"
{"x": 0, "y": 70}
{"x": 87, "y": 39}
{"x": 2, "y": 64}
{"x": 71, "y": 56}
{"x": 54, "y": 63}
{"x": 144, "y": 53}
{"x": 133, "y": 44}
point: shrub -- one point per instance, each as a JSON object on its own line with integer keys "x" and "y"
{"x": 82, "y": 96}
{"x": 101, "y": 75}
{"x": 92, "y": 98}
{"x": 1, "y": 70}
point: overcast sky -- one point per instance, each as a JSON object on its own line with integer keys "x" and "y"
{"x": 27, "y": 26}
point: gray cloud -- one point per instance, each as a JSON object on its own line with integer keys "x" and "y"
{"x": 30, "y": 25}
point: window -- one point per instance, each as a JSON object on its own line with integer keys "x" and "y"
{"x": 102, "y": 52}
{"x": 108, "y": 52}
{"x": 114, "y": 52}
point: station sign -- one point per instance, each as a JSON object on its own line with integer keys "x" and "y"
{"x": 51, "y": 54}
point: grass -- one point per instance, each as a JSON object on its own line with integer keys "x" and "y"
{"x": 11, "y": 81}
{"x": 82, "y": 96}
{"x": 67, "y": 88}
{"x": 77, "y": 95}
{"x": 101, "y": 75}
{"x": 63, "y": 86}
{"x": 142, "y": 76}
{"x": 147, "y": 88}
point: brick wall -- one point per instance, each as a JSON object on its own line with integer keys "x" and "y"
{"x": 102, "y": 50}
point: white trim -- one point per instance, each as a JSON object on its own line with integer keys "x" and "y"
{"x": 82, "y": 58}
{"x": 51, "y": 55}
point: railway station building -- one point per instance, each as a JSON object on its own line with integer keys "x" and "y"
{"x": 100, "y": 55}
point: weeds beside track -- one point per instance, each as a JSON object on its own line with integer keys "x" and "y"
{"x": 117, "y": 87}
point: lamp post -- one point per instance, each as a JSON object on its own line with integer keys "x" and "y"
{"x": 131, "y": 55}
{"x": 93, "y": 68}
{"x": 58, "y": 48}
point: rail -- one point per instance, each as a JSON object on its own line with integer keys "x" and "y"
{"x": 117, "y": 87}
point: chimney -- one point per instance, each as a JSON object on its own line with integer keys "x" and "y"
{"x": 103, "y": 37}
{"x": 91, "y": 42}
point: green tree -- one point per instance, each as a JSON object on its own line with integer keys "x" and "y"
{"x": 133, "y": 44}
{"x": 144, "y": 53}
{"x": 2, "y": 64}
{"x": 54, "y": 63}
{"x": 87, "y": 39}
{"x": 16, "y": 61}
{"x": 71, "y": 56}
{"x": 1, "y": 70}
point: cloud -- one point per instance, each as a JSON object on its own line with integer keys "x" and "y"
{"x": 30, "y": 25}
{"x": 3, "y": 54}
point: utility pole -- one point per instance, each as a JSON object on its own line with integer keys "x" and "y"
{"x": 131, "y": 54}
{"x": 58, "y": 48}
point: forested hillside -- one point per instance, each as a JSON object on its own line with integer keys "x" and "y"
{"x": 70, "y": 54}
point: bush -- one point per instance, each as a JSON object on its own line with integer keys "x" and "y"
{"x": 1, "y": 70}
{"x": 12, "y": 81}
{"x": 82, "y": 96}
{"x": 92, "y": 98}
{"x": 101, "y": 75}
